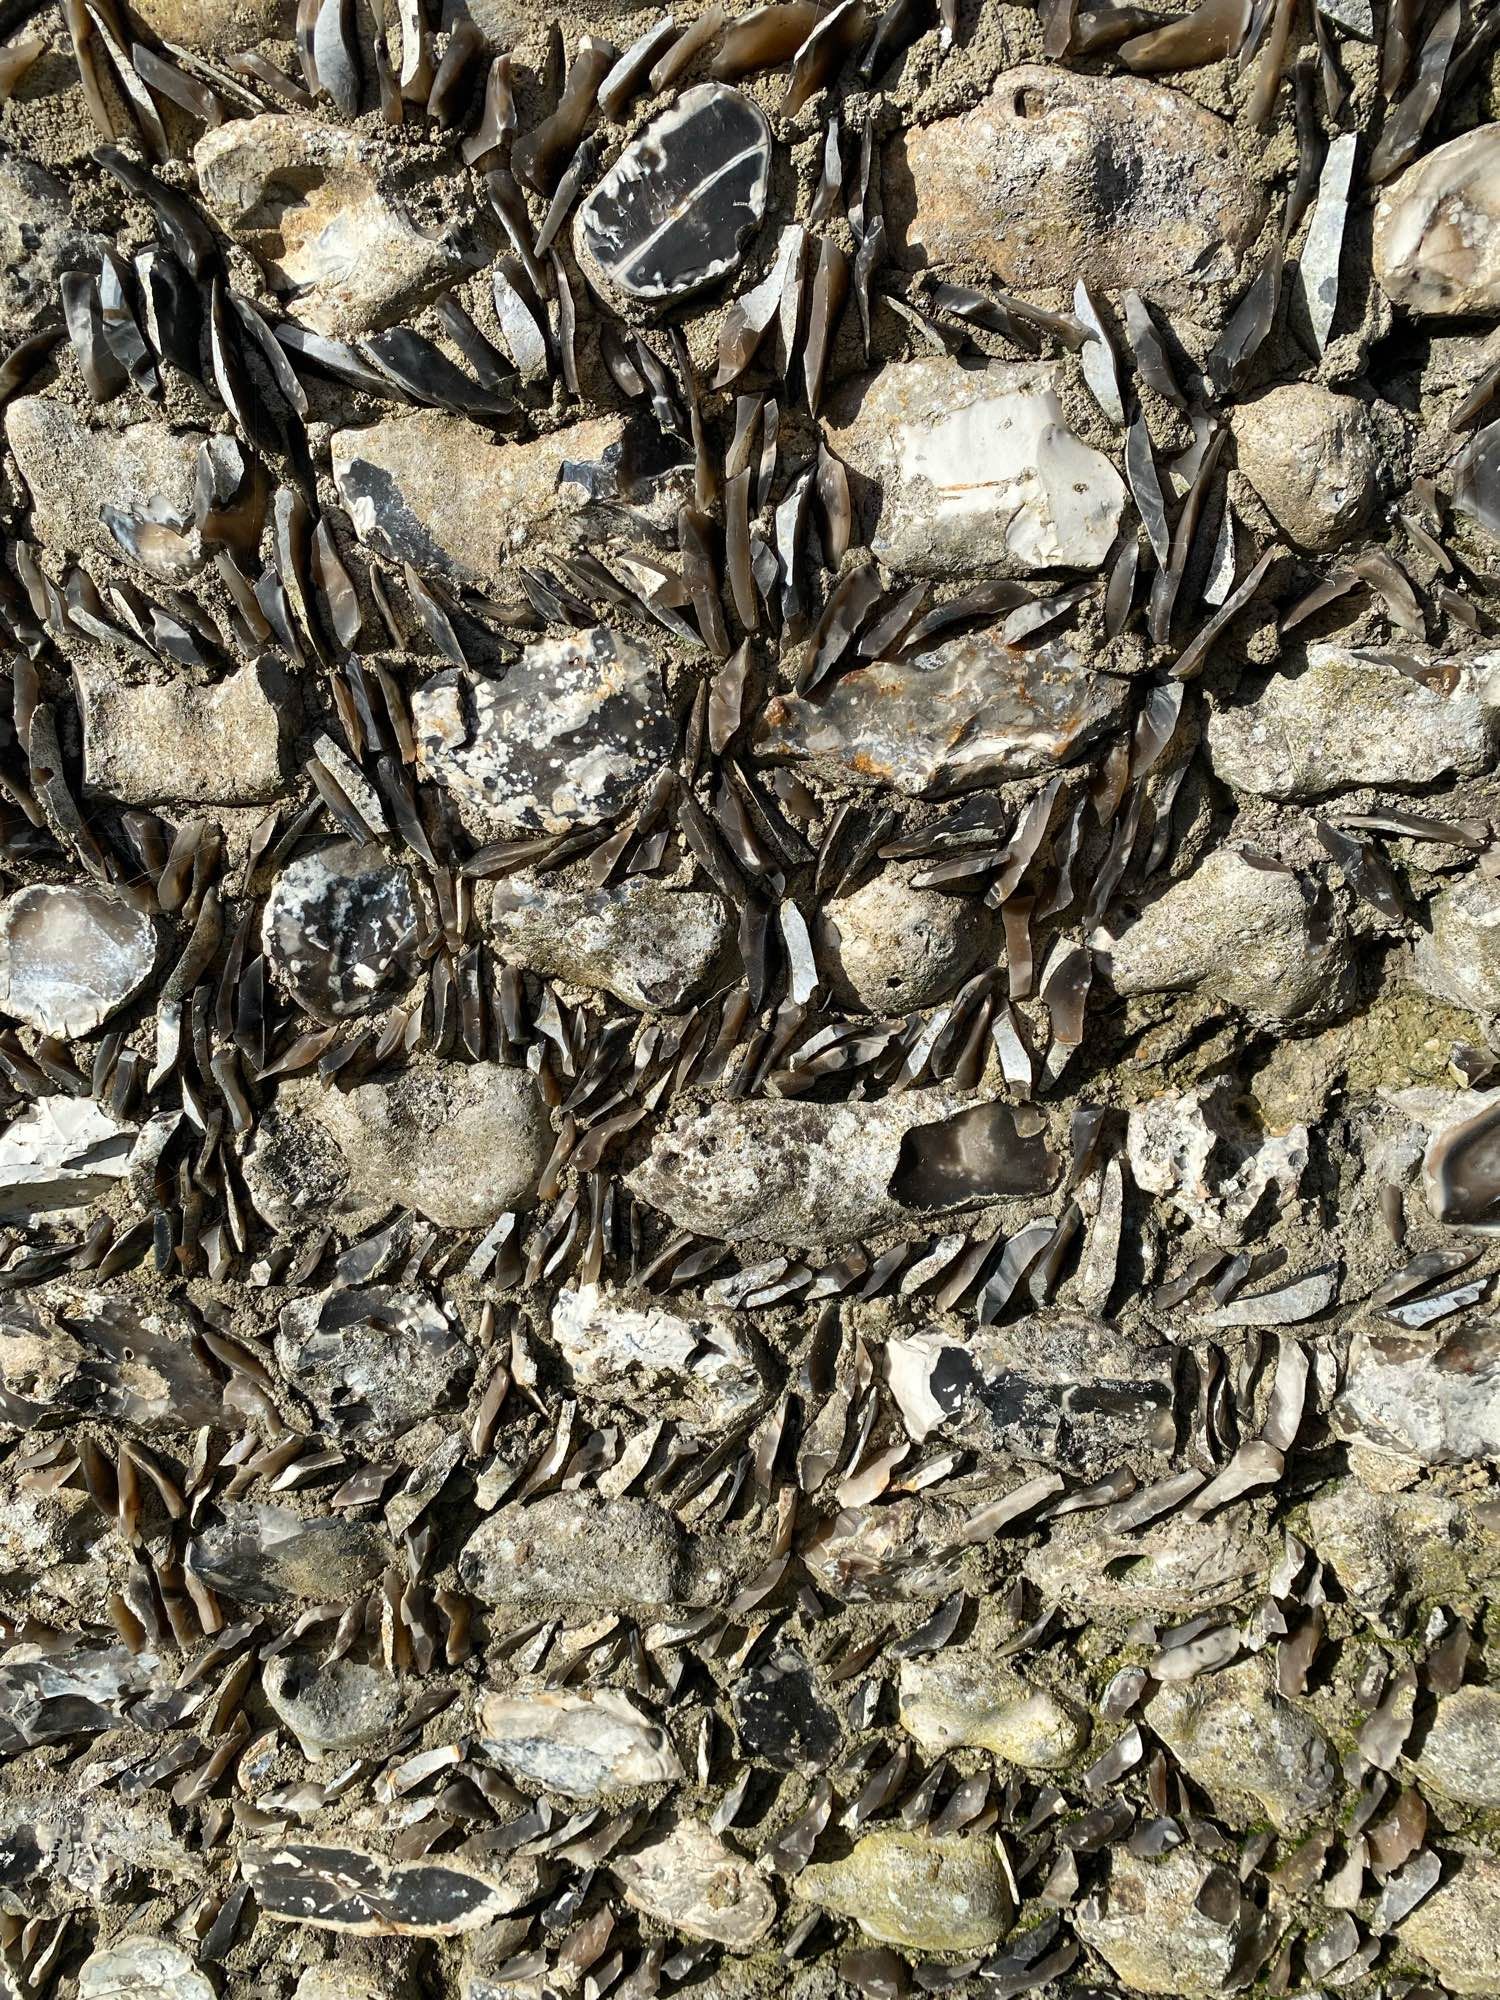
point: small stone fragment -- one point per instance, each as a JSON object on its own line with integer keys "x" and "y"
{"x": 1156, "y": 1927}
{"x": 1310, "y": 455}
{"x": 1433, "y": 1396}
{"x": 72, "y": 470}
{"x": 1354, "y": 716}
{"x": 653, "y": 947}
{"x": 142, "y": 1968}
{"x": 1437, "y": 229}
{"x": 1457, "y": 956}
{"x": 71, "y": 955}
{"x": 1457, "y": 1929}
{"x": 699, "y": 1369}
{"x": 332, "y": 1705}
{"x": 972, "y": 712}
{"x": 675, "y": 210}
{"x": 959, "y": 1699}
{"x": 585, "y": 1746}
{"x": 916, "y": 1890}
{"x": 372, "y": 1360}
{"x": 1460, "y": 1752}
{"x": 890, "y": 947}
{"x": 1461, "y": 1166}
{"x": 567, "y": 1549}
{"x": 975, "y": 469}
{"x": 175, "y": 741}
{"x": 782, "y": 1719}
{"x": 573, "y": 731}
{"x": 340, "y": 930}
{"x": 267, "y": 1555}
{"x": 1235, "y": 1736}
{"x": 688, "y": 1879}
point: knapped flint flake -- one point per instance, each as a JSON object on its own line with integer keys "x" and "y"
{"x": 71, "y": 956}
{"x": 674, "y": 211}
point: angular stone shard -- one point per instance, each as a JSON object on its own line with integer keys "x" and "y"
{"x": 689, "y": 1880}
{"x": 72, "y": 470}
{"x": 918, "y": 1891}
{"x": 142, "y": 1968}
{"x": 1354, "y": 716}
{"x": 1457, "y": 1929}
{"x": 675, "y": 210}
{"x": 699, "y": 1369}
{"x": 461, "y": 1143}
{"x": 270, "y": 1555}
{"x": 306, "y": 200}
{"x": 974, "y": 711}
{"x": 71, "y": 954}
{"x": 567, "y": 1549}
{"x": 652, "y": 947}
{"x": 372, "y": 1360}
{"x": 1237, "y": 1737}
{"x": 1461, "y": 1166}
{"x": 573, "y": 731}
{"x": 58, "y": 1154}
{"x": 81, "y": 1688}
{"x": 1058, "y": 175}
{"x": 172, "y": 741}
{"x": 961, "y": 1699}
{"x": 1457, "y": 957}
{"x": 1437, "y": 229}
{"x": 585, "y": 1746}
{"x": 891, "y": 947}
{"x": 1156, "y": 1924}
{"x": 974, "y": 469}
{"x": 347, "y": 1889}
{"x": 1432, "y": 1396}
{"x": 1311, "y": 456}
{"x": 340, "y": 930}
{"x": 807, "y": 1176}
{"x": 434, "y": 490}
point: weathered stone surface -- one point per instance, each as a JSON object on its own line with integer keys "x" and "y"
{"x": 1352, "y": 716}
{"x": 433, "y": 490}
{"x": 222, "y": 25}
{"x": 890, "y": 947}
{"x": 573, "y": 731}
{"x": 1153, "y": 1924}
{"x": 782, "y": 1718}
{"x": 967, "y": 469}
{"x": 1311, "y": 456}
{"x": 916, "y": 1890}
{"x": 271, "y": 1555}
{"x": 72, "y": 469}
{"x": 1179, "y": 1567}
{"x": 1457, "y": 956}
{"x": 142, "y": 1968}
{"x": 1064, "y": 1389}
{"x": 675, "y": 210}
{"x": 60, "y": 1154}
{"x": 332, "y": 1705}
{"x": 974, "y": 711}
{"x": 461, "y": 1143}
{"x": 686, "y": 1877}
{"x": 960, "y": 1699}
{"x": 585, "y": 1746}
{"x": 1459, "y": 1754}
{"x": 567, "y": 1549}
{"x": 372, "y": 1360}
{"x": 38, "y": 242}
{"x": 652, "y": 947}
{"x": 1437, "y": 229}
{"x": 1237, "y": 1737}
{"x": 1195, "y": 1149}
{"x": 1461, "y": 1162}
{"x": 71, "y": 955}
{"x": 1249, "y": 933}
{"x": 340, "y": 930}
{"x": 1390, "y": 1549}
{"x": 694, "y": 1367}
{"x": 1457, "y": 1929}
{"x": 804, "y": 1175}
{"x": 1433, "y": 1396}
{"x": 307, "y": 200}
{"x": 172, "y": 740}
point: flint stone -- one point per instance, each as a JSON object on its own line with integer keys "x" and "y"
{"x": 1457, "y": 957}
{"x": 64, "y": 1848}
{"x": 59, "y": 1154}
{"x": 919, "y": 1891}
{"x": 890, "y": 947}
{"x": 781, "y": 1718}
{"x": 1461, "y": 1163}
{"x": 1250, "y": 935}
{"x": 38, "y": 243}
{"x": 71, "y": 955}
{"x": 960, "y": 1700}
{"x": 652, "y": 947}
{"x": 1460, "y": 1753}
{"x": 461, "y": 1143}
{"x": 689, "y": 1880}
{"x": 347, "y": 1889}
{"x": 972, "y": 712}
{"x": 372, "y": 1360}
{"x": 1174, "y": 1566}
{"x": 1311, "y": 456}
{"x": 1195, "y": 1150}
{"x": 270, "y": 1555}
{"x": 224, "y": 26}
{"x": 573, "y": 1548}
{"x": 1391, "y": 1550}
{"x": 71, "y": 470}
{"x": 1457, "y": 1929}
{"x": 573, "y": 731}
{"x": 332, "y": 1705}
{"x": 434, "y": 490}
{"x": 219, "y": 744}
{"x": 808, "y": 1176}
{"x": 1235, "y": 1736}
{"x": 1057, "y": 176}
{"x": 1430, "y": 1396}
{"x": 142, "y": 1968}
{"x": 125, "y": 1364}
{"x": 675, "y": 210}
{"x": 304, "y": 199}
{"x": 699, "y": 1369}
{"x": 340, "y": 930}
{"x": 974, "y": 469}
{"x": 585, "y": 1746}
{"x": 1352, "y": 717}
{"x": 47, "y": 1698}
{"x": 1153, "y": 1931}
{"x": 1067, "y": 1390}
{"x": 1437, "y": 229}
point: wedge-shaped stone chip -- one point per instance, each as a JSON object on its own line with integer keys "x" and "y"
{"x": 584, "y": 1746}
{"x": 348, "y": 1889}
{"x": 688, "y": 1879}
{"x": 71, "y": 954}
